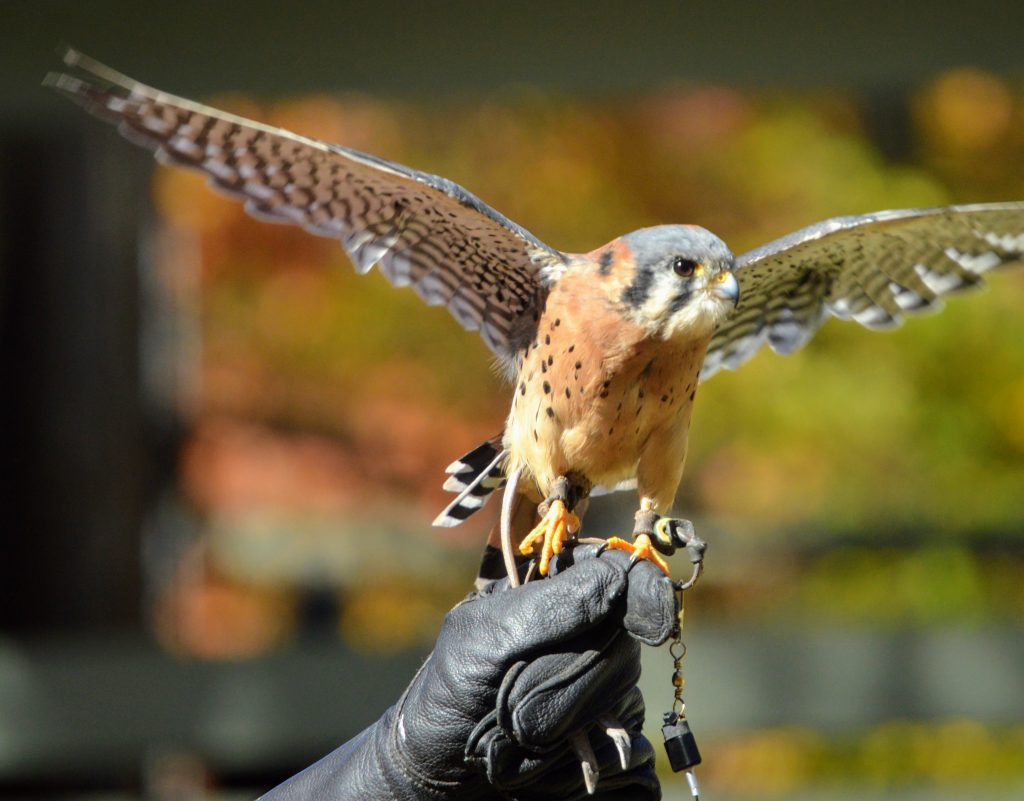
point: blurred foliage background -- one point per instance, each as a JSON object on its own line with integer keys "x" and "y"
{"x": 868, "y": 466}
{"x": 863, "y": 499}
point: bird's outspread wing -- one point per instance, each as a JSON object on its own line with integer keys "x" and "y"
{"x": 873, "y": 269}
{"x": 423, "y": 230}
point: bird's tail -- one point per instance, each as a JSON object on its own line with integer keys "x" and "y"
{"x": 473, "y": 477}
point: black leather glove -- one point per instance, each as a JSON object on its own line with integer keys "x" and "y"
{"x": 522, "y": 683}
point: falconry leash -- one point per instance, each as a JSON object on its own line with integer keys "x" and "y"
{"x": 680, "y": 744}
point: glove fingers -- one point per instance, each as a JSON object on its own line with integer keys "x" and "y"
{"x": 557, "y": 694}
{"x": 541, "y": 613}
{"x": 639, "y": 782}
{"x": 651, "y": 610}
{"x": 528, "y": 776}
{"x": 538, "y": 778}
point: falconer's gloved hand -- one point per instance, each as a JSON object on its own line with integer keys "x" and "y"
{"x": 530, "y": 693}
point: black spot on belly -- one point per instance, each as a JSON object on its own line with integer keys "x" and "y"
{"x": 572, "y": 348}
{"x": 692, "y": 394}
{"x": 547, "y": 339}
{"x": 551, "y": 360}
{"x": 579, "y": 365}
{"x": 664, "y": 398}
{"x": 522, "y": 388}
{"x": 547, "y": 387}
{"x": 568, "y": 394}
{"x": 551, "y": 412}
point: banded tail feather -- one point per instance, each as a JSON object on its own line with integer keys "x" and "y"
{"x": 474, "y": 477}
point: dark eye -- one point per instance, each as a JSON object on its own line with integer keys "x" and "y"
{"x": 684, "y": 267}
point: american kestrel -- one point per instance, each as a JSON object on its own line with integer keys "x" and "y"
{"x": 605, "y": 350}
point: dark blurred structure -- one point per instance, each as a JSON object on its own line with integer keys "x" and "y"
{"x": 154, "y": 632}
{"x": 78, "y": 454}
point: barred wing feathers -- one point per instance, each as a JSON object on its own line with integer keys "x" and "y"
{"x": 423, "y": 230}
{"x": 873, "y": 269}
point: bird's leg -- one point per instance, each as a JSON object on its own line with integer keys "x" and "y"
{"x": 557, "y": 523}
{"x": 644, "y": 529}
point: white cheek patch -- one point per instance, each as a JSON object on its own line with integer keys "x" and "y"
{"x": 698, "y": 316}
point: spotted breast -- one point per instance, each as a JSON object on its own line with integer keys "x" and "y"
{"x": 595, "y": 391}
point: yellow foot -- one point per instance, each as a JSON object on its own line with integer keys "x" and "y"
{"x": 641, "y": 548}
{"x": 558, "y": 525}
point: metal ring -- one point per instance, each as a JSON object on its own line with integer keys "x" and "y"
{"x": 672, "y": 649}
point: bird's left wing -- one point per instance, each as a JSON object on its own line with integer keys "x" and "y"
{"x": 872, "y": 268}
{"x": 423, "y": 230}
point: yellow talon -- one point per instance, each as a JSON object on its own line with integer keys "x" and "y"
{"x": 557, "y": 526}
{"x": 641, "y": 548}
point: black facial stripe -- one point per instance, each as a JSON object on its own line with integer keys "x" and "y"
{"x": 679, "y": 301}
{"x": 605, "y": 262}
{"x": 636, "y": 293}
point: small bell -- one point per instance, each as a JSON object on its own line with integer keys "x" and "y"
{"x": 681, "y": 747}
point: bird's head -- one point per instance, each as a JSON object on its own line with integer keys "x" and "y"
{"x": 681, "y": 280}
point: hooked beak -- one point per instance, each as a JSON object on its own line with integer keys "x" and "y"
{"x": 727, "y": 287}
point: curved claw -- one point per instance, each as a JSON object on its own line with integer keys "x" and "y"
{"x": 588, "y": 760}
{"x": 619, "y": 736}
{"x": 558, "y": 525}
{"x": 639, "y": 548}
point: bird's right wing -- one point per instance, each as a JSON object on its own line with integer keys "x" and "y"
{"x": 423, "y": 230}
{"x": 873, "y": 269}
